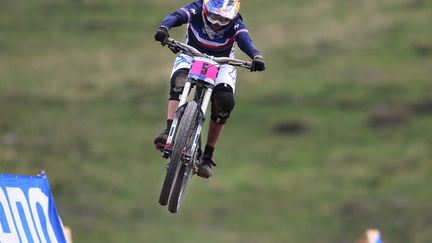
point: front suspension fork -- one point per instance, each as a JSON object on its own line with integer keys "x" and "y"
{"x": 195, "y": 145}
{"x": 169, "y": 143}
{"x": 179, "y": 112}
{"x": 198, "y": 129}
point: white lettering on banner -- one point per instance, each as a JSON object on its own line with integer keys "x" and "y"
{"x": 16, "y": 196}
{"x": 36, "y": 196}
{"x": 30, "y": 213}
{"x": 12, "y": 236}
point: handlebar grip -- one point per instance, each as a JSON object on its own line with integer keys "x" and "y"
{"x": 248, "y": 63}
{"x": 170, "y": 41}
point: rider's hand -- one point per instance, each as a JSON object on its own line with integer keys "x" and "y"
{"x": 258, "y": 64}
{"x": 162, "y": 35}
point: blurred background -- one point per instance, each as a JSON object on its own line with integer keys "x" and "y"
{"x": 333, "y": 138}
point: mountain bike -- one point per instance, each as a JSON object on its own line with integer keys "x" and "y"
{"x": 183, "y": 146}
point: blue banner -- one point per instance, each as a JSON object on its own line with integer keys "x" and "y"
{"x": 27, "y": 211}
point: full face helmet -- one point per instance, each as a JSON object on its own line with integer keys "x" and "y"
{"x": 219, "y": 13}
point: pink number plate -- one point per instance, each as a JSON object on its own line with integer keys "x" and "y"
{"x": 204, "y": 69}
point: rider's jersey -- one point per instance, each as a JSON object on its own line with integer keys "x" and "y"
{"x": 220, "y": 44}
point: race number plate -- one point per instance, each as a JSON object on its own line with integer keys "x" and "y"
{"x": 204, "y": 69}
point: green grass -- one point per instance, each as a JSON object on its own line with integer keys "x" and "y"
{"x": 83, "y": 90}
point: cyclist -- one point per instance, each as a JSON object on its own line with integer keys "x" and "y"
{"x": 214, "y": 27}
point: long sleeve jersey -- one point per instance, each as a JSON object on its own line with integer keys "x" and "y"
{"x": 219, "y": 45}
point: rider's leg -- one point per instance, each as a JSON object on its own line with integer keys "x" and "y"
{"x": 222, "y": 104}
{"x": 214, "y": 132}
{"x": 172, "y": 106}
{"x": 178, "y": 80}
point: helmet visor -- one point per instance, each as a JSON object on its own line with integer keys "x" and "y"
{"x": 217, "y": 19}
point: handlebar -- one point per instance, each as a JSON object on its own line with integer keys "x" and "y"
{"x": 193, "y": 52}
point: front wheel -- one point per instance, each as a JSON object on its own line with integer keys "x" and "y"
{"x": 180, "y": 144}
{"x": 185, "y": 170}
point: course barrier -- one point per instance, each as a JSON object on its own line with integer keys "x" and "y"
{"x": 27, "y": 210}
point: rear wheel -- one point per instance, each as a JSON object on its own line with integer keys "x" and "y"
{"x": 180, "y": 145}
{"x": 179, "y": 188}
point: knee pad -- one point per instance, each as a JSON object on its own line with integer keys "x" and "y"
{"x": 222, "y": 103}
{"x": 178, "y": 81}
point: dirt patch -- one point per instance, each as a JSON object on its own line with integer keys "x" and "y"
{"x": 422, "y": 107}
{"x": 389, "y": 115}
{"x": 423, "y": 50}
{"x": 290, "y": 127}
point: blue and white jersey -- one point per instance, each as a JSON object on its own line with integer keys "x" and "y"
{"x": 220, "y": 44}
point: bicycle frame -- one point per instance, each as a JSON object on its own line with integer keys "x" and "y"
{"x": 202, "y": 75}
{"x": 183, "y": 143}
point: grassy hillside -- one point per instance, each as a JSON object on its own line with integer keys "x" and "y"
{"x": 332, "y": 139}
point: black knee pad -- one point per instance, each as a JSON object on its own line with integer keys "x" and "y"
{"x": 178, "y": 81}
{"x": 222, "y": 103}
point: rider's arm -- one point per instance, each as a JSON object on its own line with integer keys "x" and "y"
{"x": 175, "y": 19}
{"x": 181, "y": 16}
{"x": 245, "y": 43}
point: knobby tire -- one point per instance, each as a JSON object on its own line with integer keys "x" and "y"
{"x": 179, "y": 143}
{"x": 186, "y": 130}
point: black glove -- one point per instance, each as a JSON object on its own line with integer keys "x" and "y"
{"x": 258, "y": 64}
{"x": 162, "y": 35}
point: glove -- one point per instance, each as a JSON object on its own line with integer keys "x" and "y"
{"x": 162, "y": 35}
{"x": 258, "y": 64}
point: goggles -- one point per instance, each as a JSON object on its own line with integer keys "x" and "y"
{"x": 217, "y": 19}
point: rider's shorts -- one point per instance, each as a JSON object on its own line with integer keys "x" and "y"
{"x": 227, "y": 73}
